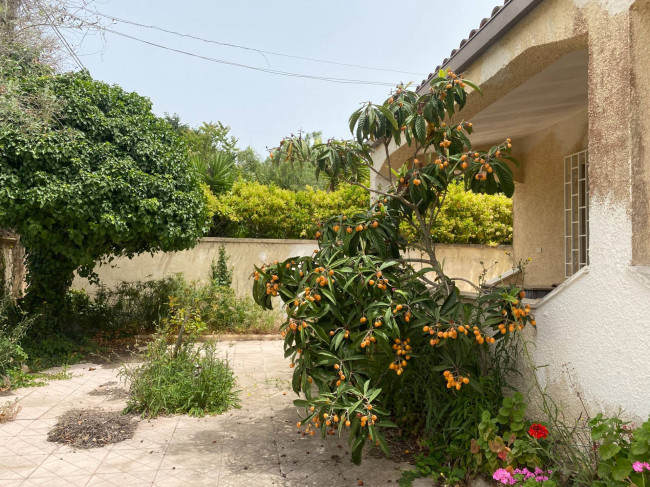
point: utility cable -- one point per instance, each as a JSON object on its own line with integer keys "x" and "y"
{"x": 62, "y": 38}
{"x": 260, "y": 51}
{"x": 246, "y": 66}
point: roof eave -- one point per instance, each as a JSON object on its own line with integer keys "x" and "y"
{"x": 491, "y": 30}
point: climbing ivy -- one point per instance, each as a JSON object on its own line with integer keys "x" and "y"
{"x": 97, "y": 176}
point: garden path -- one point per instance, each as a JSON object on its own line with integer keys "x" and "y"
{"x": 257, "y": 445}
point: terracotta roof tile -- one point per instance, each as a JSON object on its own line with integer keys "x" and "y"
{"x": 472, "y": 33}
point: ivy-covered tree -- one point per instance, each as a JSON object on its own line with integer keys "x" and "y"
{"x": 88, "y": 172}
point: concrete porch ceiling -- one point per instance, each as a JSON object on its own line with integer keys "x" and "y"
{"x": 550, "y": 96}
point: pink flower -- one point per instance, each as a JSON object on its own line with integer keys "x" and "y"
{"x": 638, "y": 466}
{"x": 503, "y": 477}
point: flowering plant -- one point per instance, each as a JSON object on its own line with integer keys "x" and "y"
{"x": 640, "y": 467}
{"x": 502, "y": 441}
{"x": 523, "y": 477}
{"x": 622, "y": 450}
{"x": 538, "y": 431}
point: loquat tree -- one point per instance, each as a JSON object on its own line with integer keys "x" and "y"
{"x": 358, "y": 311}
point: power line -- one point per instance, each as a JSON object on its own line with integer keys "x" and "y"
{"x": 260, "y": 51}
{"x": 246, "y": 66}
{"x": 62, "y": 38}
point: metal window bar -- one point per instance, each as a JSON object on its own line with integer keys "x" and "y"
{"x": 576, "y": 212}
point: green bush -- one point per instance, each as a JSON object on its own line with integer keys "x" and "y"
{"x": 221, "y": 310}
{"x": 129, "y": 308}
{"x": 253, "y": 210}
{"x": 139, "y": 307}
{"x": 191, "y": 381}
{"x": 126, "y": 310}
{"x": 101, "y": 176}
{"x": 13, "y": 326}
{"x": 221, "y": 273}
{"x": 471, "y": 218}
{"x": 623, "y": 452}
{"x": 504, "y": 440}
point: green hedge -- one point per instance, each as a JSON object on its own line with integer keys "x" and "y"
{"x": 470, "y": 218}
{"x": 254, "y": 210}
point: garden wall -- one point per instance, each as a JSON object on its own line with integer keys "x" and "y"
{"x": 459, "y": 261}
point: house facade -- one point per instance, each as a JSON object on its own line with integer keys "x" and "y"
{"x": 569, "y": 82}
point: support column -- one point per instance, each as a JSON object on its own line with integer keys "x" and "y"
{"x": 640, "y": 132}
{"x": 610, "y": 109}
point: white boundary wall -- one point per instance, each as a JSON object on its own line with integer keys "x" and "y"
{"x": 245, "y": 253}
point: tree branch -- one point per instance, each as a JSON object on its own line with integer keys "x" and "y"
{"x": 390, "y": 169}
{"x": 390, "y": 195}
{"x": 468, "y": 282}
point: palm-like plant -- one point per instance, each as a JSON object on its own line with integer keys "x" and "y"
{"x": 217, "y": 170}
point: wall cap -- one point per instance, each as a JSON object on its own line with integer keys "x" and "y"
{"x": 558, "y": 290}
{"x": 314, "y": 242}
{"x": 464, "y": 246}
{"x": 640, "y": 273}
{"x": 258, "y": 240}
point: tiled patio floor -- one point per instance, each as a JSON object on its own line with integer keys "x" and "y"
{"x": 257, "y": 445}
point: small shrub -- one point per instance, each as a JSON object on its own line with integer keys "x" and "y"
{"x": 221, "y": 310}
{"x": 187, "y": 318}
{"x": 139, "y": 307}
{"x": 505, "y": 441}
{"x": 623, "y": 452}
{"x": 13, "y": 326}
{"x": 191, "y": 381}
{"x": 221, "y": 274}
{"x": 130, "y": 307}
{"x": 9, "y": 410}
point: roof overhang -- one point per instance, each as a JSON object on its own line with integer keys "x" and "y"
{"x": 553, "y": 94}
{"x": 490, "y": 31}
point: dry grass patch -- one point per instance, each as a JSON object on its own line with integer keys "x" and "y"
{"x": 92, "y": 428}
{"x": 111, "y": 391}
{"x": 9, "y": 411}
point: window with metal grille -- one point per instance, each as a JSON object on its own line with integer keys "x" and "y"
{"x": 576, "y": 212}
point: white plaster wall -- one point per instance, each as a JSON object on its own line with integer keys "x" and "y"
{"x": 596, "y": 327}
{"x": 195, "y": 263}
{"x": 469, "y": 262}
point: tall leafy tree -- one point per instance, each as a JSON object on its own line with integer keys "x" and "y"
{"x": 358, "y": 309}
{"x": 88, "y": 172}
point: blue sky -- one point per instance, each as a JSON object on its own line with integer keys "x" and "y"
{"x": 411, "y": 35}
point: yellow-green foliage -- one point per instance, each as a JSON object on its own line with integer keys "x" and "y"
{"x": 210, "y": 200}
{"x": 471, "y": 218}
{"x": 253, "y": 210}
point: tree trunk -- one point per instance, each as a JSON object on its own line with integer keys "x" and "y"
{"x": 8, "y": 16}
{"x": 48, "y": 279}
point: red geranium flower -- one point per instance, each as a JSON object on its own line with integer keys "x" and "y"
{"x": 538, "y": 431}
